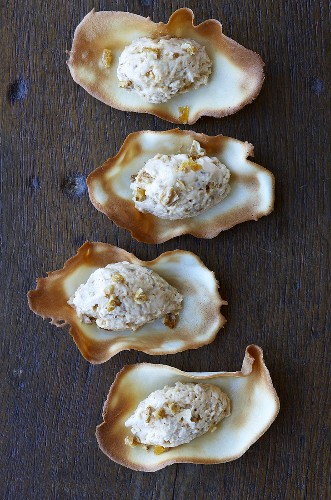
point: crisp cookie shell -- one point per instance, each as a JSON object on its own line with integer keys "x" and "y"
{"x": 237, "y": 73}
{"x": 251, "y": 195}
{"x": 199, "y": 320}
{"x": 254, "y": 406}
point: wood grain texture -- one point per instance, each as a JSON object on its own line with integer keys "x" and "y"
{"x": 274, "y": 273}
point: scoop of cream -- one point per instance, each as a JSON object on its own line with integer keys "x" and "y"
{"x": 175, "y": 415}
{"x": 157, "y": 69}
{"x": 126, "y": 296}
{"x": 182, "y": 185}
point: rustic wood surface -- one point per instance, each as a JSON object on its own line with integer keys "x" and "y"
{"x": 274, "y": 273}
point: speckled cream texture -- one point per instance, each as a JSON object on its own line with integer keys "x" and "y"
{"x": 124, "y": 296}
{"x": 175, "y": 415}
{"x": 181, "y": 185}
{"x": 157, "y": 69}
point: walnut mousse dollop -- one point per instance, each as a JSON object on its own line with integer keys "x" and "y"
{"x": 126, "y": 296}
{"x": 157, "y": 69}
{"x": 175, "y": 415}
{"x": 180, "y": 186}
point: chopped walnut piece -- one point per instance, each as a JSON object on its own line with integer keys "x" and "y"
{"x": 161, "y": 413}
{"x": 149, "y": 413}
{"x": 170, "y": 320}
{"x": 174, "y": 408}
{"x": 168, "y": 196}
{"x": 150, "y": 74}
{"x": 140, "y": 194}
{"x": 191, "y": 49}
{"x": 194, "y": 166}
{"x": 113, "y": 302}
{"x": 158, "y": 450}
{"x": 146, "y": 177}
{"x": 117, "y": 278}
{"x": 140, "y": 297}
{"x": 188, "y": 165}
{"x": 155, "y": 50}
{"x": 183, "y": 167}
{"x": 180, "y": 184}
{"x": 183, "y": 114}
{"x": 131, "y": 441}
{"x": 109, "y": 291}
{"x": 107, "y": 58}
{"x": 126, "y": 85}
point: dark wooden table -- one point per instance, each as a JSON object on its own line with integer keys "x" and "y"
{"x": 274, "y": 273}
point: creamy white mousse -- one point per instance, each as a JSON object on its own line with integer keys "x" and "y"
{"x": 175, "y": 415}
{"x": 157, "y": 69}
{"x": 126, "y": 296}
{"x": 180, "y": 186}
